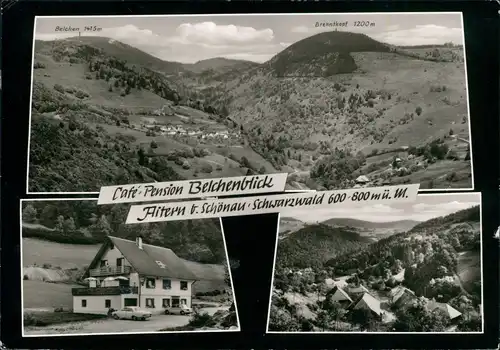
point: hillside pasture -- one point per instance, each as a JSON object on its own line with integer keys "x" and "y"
{"x": 185, "y": 111}
{"x": 73, "y": 75}
{"x": 159, "y": 119}
{"x": 213, "y": 277}
{"x": 47, "y": 274}
{"x": 65, "y": 256}
{"x": 412, "y": 83}
{"x": 438, "y": 175}
{"x": 442, "y": 174}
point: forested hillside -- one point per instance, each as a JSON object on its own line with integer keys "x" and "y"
{"x": 84, "y": 222}
{"x": 428, "y": 251}
{"x": 425, "y": 280}
{"x": 313, "y": 245}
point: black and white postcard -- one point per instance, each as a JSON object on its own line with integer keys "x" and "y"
{"x": 394, "y": 268}
{"x": 85, "y": 272}
{"x": 334, "y": 100}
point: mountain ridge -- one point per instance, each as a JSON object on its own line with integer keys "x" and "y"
{"x": 349, "y": 105}
{"x": 404, "y": 224}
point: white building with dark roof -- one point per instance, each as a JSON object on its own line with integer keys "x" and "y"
{"x": 127, "y": 273}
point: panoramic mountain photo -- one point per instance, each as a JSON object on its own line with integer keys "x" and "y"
{"x": 413, "y": 267}
{"x": 86, "y": 272}
{"x": 334, "y": 100}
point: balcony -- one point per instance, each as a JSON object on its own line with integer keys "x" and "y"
{"x": 83, "y": 291}
{"x": 110, "y": 271}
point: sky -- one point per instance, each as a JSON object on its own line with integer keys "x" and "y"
{"x": 424, "y": 208}
{"x": 256, "y": 38}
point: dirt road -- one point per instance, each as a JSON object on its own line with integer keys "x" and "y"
{"x": 156, "y": 323}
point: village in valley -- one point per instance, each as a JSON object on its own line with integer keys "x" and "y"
{"x": 336, "y": 276}
{"x": 325, "y": 113}
{"x": 185, "y": 128}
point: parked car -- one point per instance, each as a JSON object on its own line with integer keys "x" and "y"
{"x": 180, "y": 310}
{"x": 131, "y": 313}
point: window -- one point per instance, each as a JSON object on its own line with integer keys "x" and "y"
{"x": 151, "y": 283}
{"x": 167, "y": 284}
{"x": 166, "y": 303}
{"x": 104, "y": 263}
{"x": 150, "y": 302}
{"x": 107, "y": 303}
{"x": 119, "y": 262}
{"x": 130, "y": 301}
{"x": 84, "y": 303}
{"x": 184, "y": 285}
{"x": 183, "y": 301}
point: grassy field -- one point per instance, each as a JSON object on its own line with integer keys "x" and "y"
{"x": 43, "y": 319}
{"x": 73, "y": 75}
{"x": 412, "y": 81}
{"x": 66, "y": 256}
{"x": 47, "y": 295}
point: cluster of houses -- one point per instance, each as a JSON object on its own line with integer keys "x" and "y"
{"x": 396, "y": 168}
{"x": 179, "y": 131}
{"x": 359, "y": 297}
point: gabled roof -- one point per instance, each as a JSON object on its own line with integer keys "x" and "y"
{"x": 370, "y": 301}
{"x": 398, "y": 292}
{"x": 341, "y": 292}
{"x": 155, "y": 261}
{"x": 362, "y": 178}
{"x": 448, "y": 310}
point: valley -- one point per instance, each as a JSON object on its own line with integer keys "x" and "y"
{"x": 106, "y": 113}
{"x": 371, "y": 230}
{"x": 426, "y": 277}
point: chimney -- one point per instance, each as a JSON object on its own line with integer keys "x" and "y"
{"x": 138, "y": 241}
